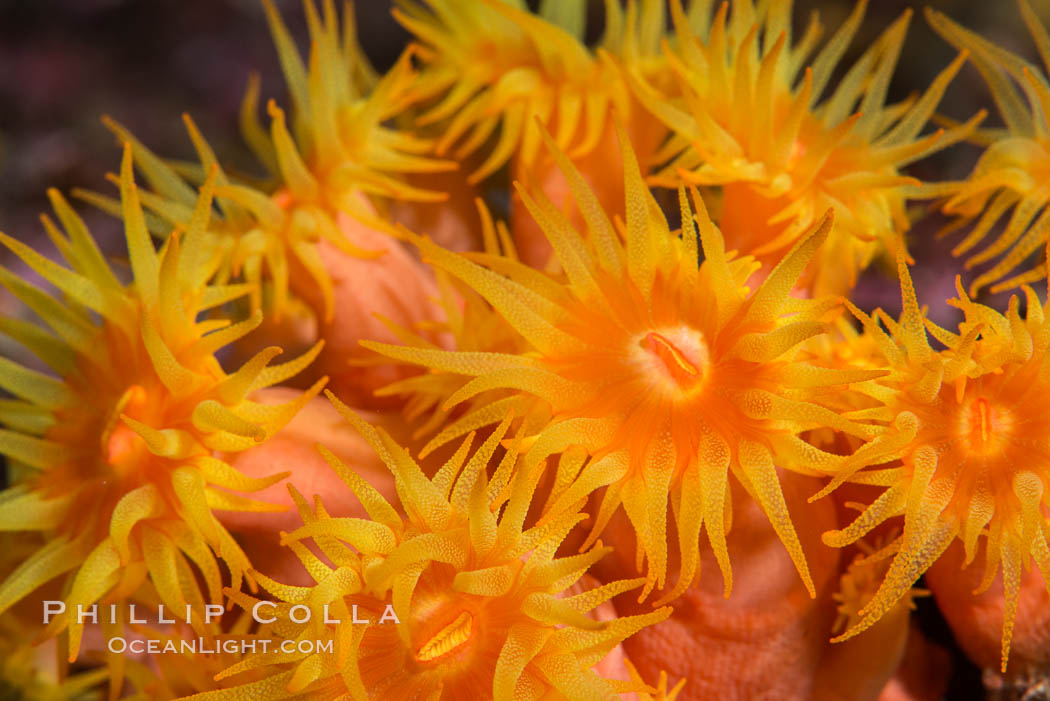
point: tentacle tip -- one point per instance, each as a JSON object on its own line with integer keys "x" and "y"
{"x": 646, "y": 590}
{"x": 666, "y": 599}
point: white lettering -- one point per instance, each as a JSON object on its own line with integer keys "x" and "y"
{"x": 92, "y": 613}
{"x": 212, "y": 611}
{"x": 389, "y": 615}
{"x": 137, "y": 646}
{"x": 53, "y": 608}
{"x": 304, "y": 607}
{"x": 131, "y": 615}
{"x": 255, "y": 612}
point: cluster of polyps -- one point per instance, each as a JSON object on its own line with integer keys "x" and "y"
{"x": 588, "y": 373}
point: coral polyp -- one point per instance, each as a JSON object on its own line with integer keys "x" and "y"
{"x": 334, "y": 159}
{"x": 970, "y": 437}
{"x": 1007, "y": 181}
{"x": 117, "y": 460}
{"x": 495, "y": 67}
{"x": 456, "y": 598}
{"x": 668, "y": 375}
{"x": 486, "y": 84}
{"x": 753, "y": 119}
{"x": 861, "y": 581}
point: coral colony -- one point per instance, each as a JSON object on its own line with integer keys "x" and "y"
{"x": 632, "y": 436}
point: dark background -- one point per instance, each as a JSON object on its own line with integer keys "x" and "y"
{"x": 63, "y": 63}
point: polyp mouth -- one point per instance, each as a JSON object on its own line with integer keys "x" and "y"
{"x": 679, "y": 354}
{"x": 987, "y": 424}
{"x": 454, "y": 635}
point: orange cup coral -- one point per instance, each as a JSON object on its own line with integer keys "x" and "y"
{"x": 769, "y": 637}
{"x": 494, "y": 67}
{"x": 596, "y": 375}
{"x": 334, "y": 159}
{"x": 119, "y": 471}
{"x": 967, "y": 425}
{"x": 670, "y": 376}
{"x": 1009, "y": 177}
{"x": 753, "y": 122}
{"x": 452, "y": 600}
